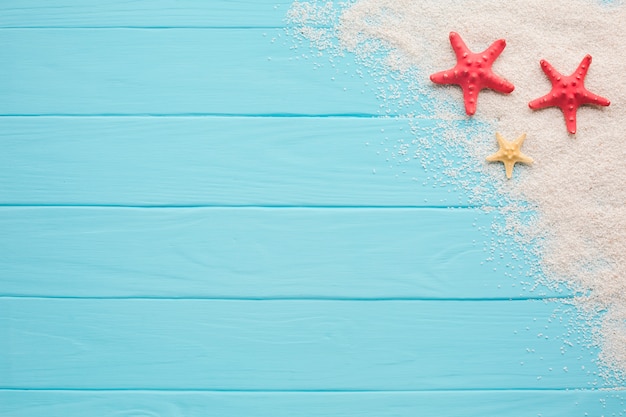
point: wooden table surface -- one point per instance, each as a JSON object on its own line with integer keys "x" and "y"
{"x": 197, "y": 219}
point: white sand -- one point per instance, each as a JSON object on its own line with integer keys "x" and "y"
{"x": 577, "y": 184}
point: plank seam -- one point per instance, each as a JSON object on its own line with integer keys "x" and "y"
{"x": 357, "y": 116}
{"x": 245, "y": 206}
{"x": 153, "y": 27}
{"x": 312, "y": 298}
{"x": 224, "y": 115}
{"x": 311, "y": 391}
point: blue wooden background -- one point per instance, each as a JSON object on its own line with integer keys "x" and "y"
{"x": 197, "y": 220}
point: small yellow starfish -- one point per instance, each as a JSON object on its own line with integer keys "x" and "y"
{"x": 510, "y": 153}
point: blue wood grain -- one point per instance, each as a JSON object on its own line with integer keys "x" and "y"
{"x": 191, "y": 309}
{"x": 254, "y": 253}
{"x": 288, "y": 345}
{"x": 219, "y": 161}
{"x": 172, "y": 71}
{"x": 573, "y": 403}
{"x": 143, "y": 13}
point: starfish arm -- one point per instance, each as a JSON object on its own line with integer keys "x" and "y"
{"x": 494, "y": 51}
{"x": 460, "y": 49}
{"x": 509, "y": 168}
{"x": 583, "y": 67}
{"x": 590, "y": 98}
{"x": 470, "y": 97}
{"x": 570, "y": 119}
{"x": 552, "y": 74}
{"x": 444, "y": 77}
{"x": 496, "y": 157}
{"x": 520, "y": 140}
{"x": 501, "y": 141}
{"x": 549, "y": 100}
{"x": 524, "y": 159}
{"x": 498, "y": 84}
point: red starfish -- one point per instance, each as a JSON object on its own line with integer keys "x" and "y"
{"x": 473, "y": 71}
{"x": 568, "y": 93}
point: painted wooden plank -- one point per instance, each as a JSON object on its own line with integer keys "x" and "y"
{"x": 143, "y": 13}
{"x": 288, "y": 345}
{"x": 575, "y": 403}
{"x": 254, "y": 253}
{"x": 172, "y": 71}
{"x": 219, "y": 161}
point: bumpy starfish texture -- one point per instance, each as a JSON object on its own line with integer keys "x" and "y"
{"x": 472, "y": 72}
{"x": 568, "y": 93}
{"x": 510, "y": 153}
